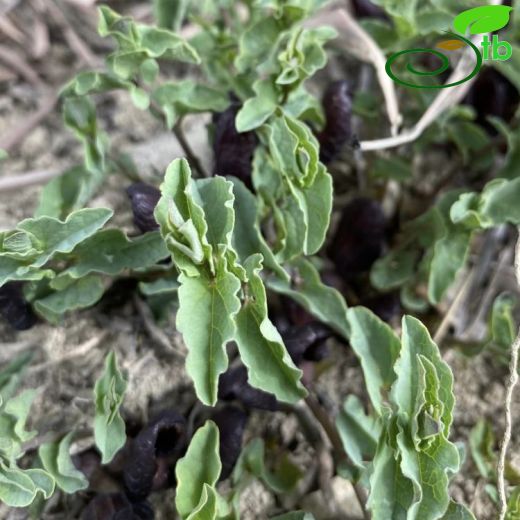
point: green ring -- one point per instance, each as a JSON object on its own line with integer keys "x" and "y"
{"x": 437, "y": 71}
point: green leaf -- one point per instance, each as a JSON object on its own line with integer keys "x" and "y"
{"x": 11, "y": 375}
{"x": 503, "y": 324}
{"x": 481, "y": 443}
{"x": 57, "y": 462}
{"x": 188, "y": 97}
{"x": 77, "y": 294}
{"x": 261, "y": 347}
{"x": 110, "y": 252}
{"x": 79, "y": 115}
{"x": 513, "y": 505}
{"x": 247, "y": 237}
{"x": 68, "y": 192}
{"x": 257, "y": 110}
{"x": 137, "y": 43}
{"x": 394, "y": 269}
{"x": 322, "y": 301}
{"x": 377, "y": 348}
{"x": 458, "y": 512}
{"x": 109, "y": 427}
{"x": 198, "y": 471}
{"x": 282, "y": 477}
{"x": 391, "y": 168}
{"x": 181, "y": 218}
{"x": 484, "y": 19}
{"x": 391, "y": 493}
{"x": 51, "y": 236}
{"x": 449, "y": 257}
{"x": 17, "y": 489}
{"x": 170, "y": 13}
{"x": 359, "y": 432}
{"x": 13, "y": 418}
{"x": 206, "y": 319}
{"x": 207, "y": 507}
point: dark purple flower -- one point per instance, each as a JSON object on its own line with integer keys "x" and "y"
{"x": 233, "y": 385}
{"x": 14, "y": 308}
{"x": 307, "y": 342}
{"x": 367, "y": 9}
{"x": 146, "y": 467}
{"x": 337, "y": 103}
{"x": 233, "y": 151}
{"x": 144, "y": 197}
{"x": 359, "y": 239}
{"x": 231, "y": 422}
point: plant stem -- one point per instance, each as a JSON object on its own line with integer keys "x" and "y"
{"x": 190, "y": 154}
{"x": 513, "y": 380}
{"x": 330, "y": 430}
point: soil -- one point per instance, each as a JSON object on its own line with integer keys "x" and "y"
{"x": 64, "y": 384}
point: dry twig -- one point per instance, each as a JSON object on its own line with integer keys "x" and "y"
{"x": 513, "y": 380}
{"x": 23, "y": 180}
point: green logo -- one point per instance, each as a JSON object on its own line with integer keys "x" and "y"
{"x": 480, "y": 20}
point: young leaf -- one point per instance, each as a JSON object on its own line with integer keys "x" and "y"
{"x": 261, "y": 347}
{"x": 109, "y": 427}
{"x": 198, "y": 472}
{"x": 377, "y": 348}
{"x": 257, "y": 110}
{"x": 17, "y": 488}
{"x": 56, "y": 460}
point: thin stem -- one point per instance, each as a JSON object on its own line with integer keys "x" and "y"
{"x": 190, "y": 154}
{"x": 330, "y": 430}
{"x": 513, "y": 380}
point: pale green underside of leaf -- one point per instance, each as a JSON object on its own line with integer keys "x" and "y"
{"x": 197, "y": 473}
{"x": 109, "y": 427}
{"x": 57, "y": 462}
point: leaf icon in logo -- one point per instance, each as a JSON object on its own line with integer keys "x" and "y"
{"x": 479, "y": 20}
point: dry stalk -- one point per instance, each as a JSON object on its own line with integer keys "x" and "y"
{"x": 513, "y": 380}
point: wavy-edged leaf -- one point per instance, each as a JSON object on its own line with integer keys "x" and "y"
{"x": 50, "y": 235}
{"x": 138, "y": 43}
{"x": 207, "y": 307}
{"x": 261, "y": 347}
{"x": 110, "y": 252}
{"x": 57, "y": 462}
{"x": 257, "y": 110}
{"x": 181, "y": 218}
{"x": 198, "y": 470}
{"x": 109, "y": 427}
{"x": 13, "y": 418}
{"x": 75, "y": 294}
{"x": 17, "y": 489}
{"x": 377, "y": 348}
{"x": 322, "y": 301}
{"x": 188, "y": 97}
